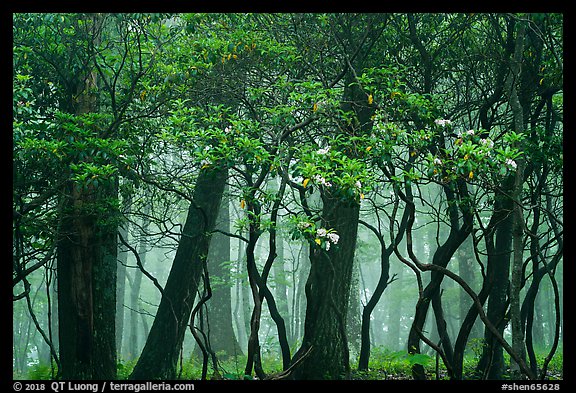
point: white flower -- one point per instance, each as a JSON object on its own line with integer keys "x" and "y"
{"x": 487, "y": 143}
{"x": 321, "y": 232}
{"x": 323, "y": 151}
{"x": 303, "y": 225}
{"x": 227, "y": 129}
{"x": 437, "y": 161}
{"x": 333, "y": 237}
{"x": 327, "y": 246}
{"x": 442, "y": 122}
{"x": 470, "y": 132}
{"x": 358, "y": 184}
{"x": 205, "y": 162}
{"x": 319, "y": 179}
{"x": 511, "y": 163}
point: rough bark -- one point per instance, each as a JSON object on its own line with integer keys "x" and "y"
{"x": 327, "y": 295}
{"x": 86, "y": 289}
{"x": 86, "y": 261}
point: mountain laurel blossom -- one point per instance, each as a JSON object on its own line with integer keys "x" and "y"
{"x": 333, "y": 237}
{"x": 511, "y": 163}
{"x": 319, "y": 179}
{"x": 487, "y": 143}
{"x": 303, "y": 225}
{"x": 442, "y": 122}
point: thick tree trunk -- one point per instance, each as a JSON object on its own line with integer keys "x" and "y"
{"x": 87, "y": 252}
{"x": 87, "y": 288}
{"x": 159, "y": 357}
{"x": 327, "y": 294}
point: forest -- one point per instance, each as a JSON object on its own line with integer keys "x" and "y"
{"x": 287, "y": 196}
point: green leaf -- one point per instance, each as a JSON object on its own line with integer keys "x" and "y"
{"x": 419, "y": 358}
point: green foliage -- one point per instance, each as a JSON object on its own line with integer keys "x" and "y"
{"x": 397, "y": 362}
{"x": 254, "y": 93}
{"x": 335, "y": 168}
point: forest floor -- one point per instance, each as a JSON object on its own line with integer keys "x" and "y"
{"x": 384, "y": 365}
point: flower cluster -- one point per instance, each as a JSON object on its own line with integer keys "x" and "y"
{"x": 488, "y": 143}
{"x": 511, "y": 163}
{"x": 327, "y": 237}
{"x": 320, "y": 180}
{"x": 302, "y": 225}
{"x": 442, "y": 122}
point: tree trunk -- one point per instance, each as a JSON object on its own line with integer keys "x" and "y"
{"x": 365, "y": 344}
{"x": 160, "y": 355}
{"x": 87, "y": 252}
{"x": 281, "y": 289}
{"x": 491, "y": 364}
{"x": 133, "y": 344}
{"x": 327, "y": 294}
{"x": 299, "y": 289}
{"x": 442, "y": 256}
{"x": 395, "y": 314}
{"x": 121, "y": 284}
{"x": 466, "y": 271}
{"x": 516, "y": 281}
{"x": 353, "y": 320}
{"x": 219, "y": 316}
{"x": 87, "y": 288}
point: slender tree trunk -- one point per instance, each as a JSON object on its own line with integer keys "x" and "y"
{"x": 133, "y": 343}
{"x": 160, "y": 355}
{"x": 395, "y": 315}
{"x": 219, "y": 316}
{"x": 281, "y": 290}
{"x": 466, "y": 271}
{"x": 491, "y": 364}
{"x": 354, "y": 320}
{"x": 299, "y": 313}
{"x": 364, "y": 356}
{"x": 516, "y": 281}
{"x": 238, "y": 314}
{"x": 121, "y": 284}
{"x": 442, "y": 256}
